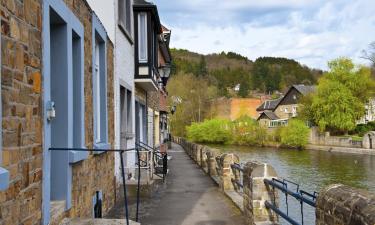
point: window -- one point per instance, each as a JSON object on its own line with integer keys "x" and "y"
{"x": 98, "y": 95}
{"x": 142, "y": 32}
{"x": 124, "y": 15}
{"x": 294, "y": 111}
{"x": 99, "y": 85}
{"x": 129, "y": 112}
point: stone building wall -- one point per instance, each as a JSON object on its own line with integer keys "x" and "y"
{"x": 153, "y": 100}
{"x": 21, "y": 54}
{"x": 97, "y": 172}
{"x": 21, "y": 203}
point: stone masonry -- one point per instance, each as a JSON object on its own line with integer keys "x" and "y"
{"x": 340, "y": 204}
{"x": 21, "y": 203}
{"x": 97, "y": 172}
{"x": 21, "y": 87}
{"x": 256, "y": 192}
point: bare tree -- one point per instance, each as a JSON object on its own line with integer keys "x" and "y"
{"x": 369, "y": 54}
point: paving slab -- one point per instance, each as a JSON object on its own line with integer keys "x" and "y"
{"x": 188, "y": 197}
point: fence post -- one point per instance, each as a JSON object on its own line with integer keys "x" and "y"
{"x": 211, "y": 164}
{"x": 226, "y": 174}
{"x": 256, "y": 193}
{"x": 198, "y": 157}
{"x": 204, "y": 159}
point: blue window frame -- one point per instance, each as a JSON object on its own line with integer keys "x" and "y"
{"x": 4, "y": 174}
{"x": 99, "y": 72}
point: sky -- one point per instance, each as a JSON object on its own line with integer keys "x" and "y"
{"x": 309, "y": 31}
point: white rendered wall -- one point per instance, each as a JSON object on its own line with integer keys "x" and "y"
{"x": 105, "y": 9}
{"x": 107, "y": 12}
{"x": 124, "y": 74}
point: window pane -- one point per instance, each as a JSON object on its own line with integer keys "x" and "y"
{"x": 129, "y": 111}
{"x": 97, "y": 91}
{"x": 142, "y": 31}
{"x": 128, "y": 16}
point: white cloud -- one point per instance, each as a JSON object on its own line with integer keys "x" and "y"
{"x": 311, "y": 32}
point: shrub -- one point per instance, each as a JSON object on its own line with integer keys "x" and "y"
{"x": 295, "y": 134}
{"x": 362, "y": 129}
{"x": 210, "y": 131}
{"x": 246, "y": 131}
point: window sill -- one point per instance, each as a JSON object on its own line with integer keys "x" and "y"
{"x": 129, "y": 136}
{"x": 102, "y": 147}
{"x": 77, "y": 156}
{"x": 4, "y": 179}
{"x": 127, "y": 34}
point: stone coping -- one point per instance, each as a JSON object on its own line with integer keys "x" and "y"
{"x": 359, "y": 151}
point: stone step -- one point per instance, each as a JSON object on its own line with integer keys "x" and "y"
{"x": 78, "y": 221}
{"x": 57, "y": 212}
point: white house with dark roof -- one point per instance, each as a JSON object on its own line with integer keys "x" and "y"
{"x": 275, "y": 113}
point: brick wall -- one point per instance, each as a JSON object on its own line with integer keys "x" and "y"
{"x": 21, "y": 55}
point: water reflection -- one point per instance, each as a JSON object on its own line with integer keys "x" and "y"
{"x": 312, "y": 170}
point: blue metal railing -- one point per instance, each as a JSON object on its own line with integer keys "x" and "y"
{"x": 299, "y": 195}
{"x": 121, "y": 152}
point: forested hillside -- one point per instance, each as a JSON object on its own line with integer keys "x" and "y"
{"x": 226, "y": 70}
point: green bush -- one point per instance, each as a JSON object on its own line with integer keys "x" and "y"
{"x": 246, "y": 131}
{"x": 295, "y": 134}
{"x": 210, "y": 131}
{"x": 362, "y": 129}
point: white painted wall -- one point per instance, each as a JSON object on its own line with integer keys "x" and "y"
{"x": 104, "y": 10}
{"x": 124, "y": 73}
{"x": 107, "y": 12}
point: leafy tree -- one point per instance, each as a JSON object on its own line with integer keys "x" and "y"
{"x": 295, "y": 134}
{"x": 340, "y": 97}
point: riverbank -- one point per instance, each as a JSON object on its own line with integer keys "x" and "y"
{"x": 360, "y": 151}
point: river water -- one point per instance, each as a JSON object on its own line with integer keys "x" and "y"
{"x": 312, "y": 170}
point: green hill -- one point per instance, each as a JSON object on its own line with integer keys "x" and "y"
{"x": 226, "y": 70}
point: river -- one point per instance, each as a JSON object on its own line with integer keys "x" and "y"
{"x": 312, "y": 170}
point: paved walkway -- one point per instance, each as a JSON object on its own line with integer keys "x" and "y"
{"x": 189, "y": 197}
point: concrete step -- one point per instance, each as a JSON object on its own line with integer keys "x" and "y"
{"x": 78, "y": 221}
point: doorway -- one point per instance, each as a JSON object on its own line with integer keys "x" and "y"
{"x": 63, "y": 105}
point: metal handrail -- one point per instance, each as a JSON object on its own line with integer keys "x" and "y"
{"x": 238, "y": 183}
{"x": 297, "y": 195}
{"x": 121, "y": 152}
{"x": 300, "y": 195}
{"x": 156, "y": 156}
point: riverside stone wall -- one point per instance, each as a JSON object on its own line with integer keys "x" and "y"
{"x": 340, "y": 204}
{"x": 318, "y": 138}
{"x": 336, "y": 204}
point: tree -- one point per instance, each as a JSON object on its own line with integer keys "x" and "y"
{"x": 195, "y": 94}
{"x": 244, "y": 89}
{"x": 340, "y": 97}
{"x": 370, "y": 53}
{"x": 295, "y": 134}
